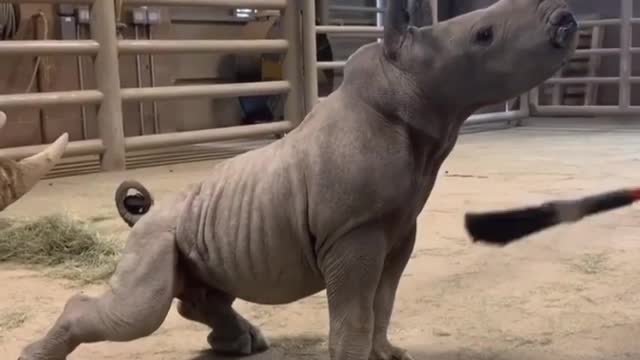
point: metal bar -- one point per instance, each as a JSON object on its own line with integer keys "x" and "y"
{"x": 323, "y": 10}
{"x": 331, "y": 65}
{"x": 49, "y": 47}
{"x": 39, "y": 100}
{"x": 136, "y": 32}
{"x": 292, "y": 64}
{"x": 218, "y": 91}
{"x": 598, "y": 22}
{"x": 152, "y": 80}
{"x": 496, "y": 117}
{"x": 202, "y": 46}
{"x": 109, "y": 116}
{"x": 582, "y": 110}
{"x": 362, "y": 9}
{"x": 583, "y": 80}
{"x": 602, "y": 51}
{"x": 75, "y": 2}
{"x": 74, "y": 148}
{"x": 252, "y": 4}
{"x": 434, "y": 11}
{"x": 380, "y": 4}
{"x": 525, "y": 104}
{"x": 625, "y": 54}
{"x": 203, "y": 136}
{"x": 83, "y": 108}
{"x": 351, "y": 30}
{"x": 309, "y": 31}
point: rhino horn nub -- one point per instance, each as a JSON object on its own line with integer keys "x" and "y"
{"x": 37, "y": 166}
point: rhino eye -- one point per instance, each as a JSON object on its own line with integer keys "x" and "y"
{"x": 484, "y": 36}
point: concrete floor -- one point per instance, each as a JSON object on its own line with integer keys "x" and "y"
{"x": 569, "y": 293}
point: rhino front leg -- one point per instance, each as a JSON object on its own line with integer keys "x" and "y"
{"x": 137, "y": 303}
{"x": 231, "y": 333}
{"x": 395, "y": 264}
{"x": 352, "y": 270}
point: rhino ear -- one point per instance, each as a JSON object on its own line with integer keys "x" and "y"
{"x": 396, "y": 23}
{"x": 3, "y": 119}
{"x": 421, "y": 13}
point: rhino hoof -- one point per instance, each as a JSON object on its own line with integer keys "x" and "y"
{"x": 249, "y": 343}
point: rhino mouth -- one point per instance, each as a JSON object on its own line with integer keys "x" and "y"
{"x": 563, "y": 29}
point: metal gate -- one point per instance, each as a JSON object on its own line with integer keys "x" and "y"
{"x": 624, "y": 80}
{"x": 105, "y": 48}
{"x": 312, "y": 66}
{"x": 300, "y": 74}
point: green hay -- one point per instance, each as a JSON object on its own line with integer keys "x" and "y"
{"x": 69, "y": 247}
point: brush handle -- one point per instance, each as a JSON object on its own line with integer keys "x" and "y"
{"x": 574, "y": 210}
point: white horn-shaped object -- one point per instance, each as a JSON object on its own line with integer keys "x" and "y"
{"x": 18, "y": 178}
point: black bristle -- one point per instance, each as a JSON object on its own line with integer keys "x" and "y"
{"x": 504, "y": 227}
{"x": 507, "y": 226}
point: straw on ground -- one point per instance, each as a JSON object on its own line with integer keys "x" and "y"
{"x": 65, "y": 246}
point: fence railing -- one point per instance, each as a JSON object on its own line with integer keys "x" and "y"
{"x": 300, "y": 69}
{"x": 624, "y": 81}
{"x": 312, "y": 66}
{"x": 105, "y": 48}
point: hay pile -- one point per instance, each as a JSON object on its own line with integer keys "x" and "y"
{"x": 68, "y": 247}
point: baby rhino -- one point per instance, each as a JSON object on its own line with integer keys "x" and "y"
{"x": 332, "y": 205}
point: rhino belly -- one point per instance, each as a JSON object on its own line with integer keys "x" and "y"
{"x": 262, "y": 272}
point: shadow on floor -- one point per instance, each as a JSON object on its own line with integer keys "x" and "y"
{"x": 315, "y": 348}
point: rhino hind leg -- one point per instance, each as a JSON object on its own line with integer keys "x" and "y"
{"x": 142, "y": 289}
{"x": 231, "y": 334}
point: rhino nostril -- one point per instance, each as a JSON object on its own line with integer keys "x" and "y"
{"x": 563, "y": 28}
{"x": 563, "y": 18}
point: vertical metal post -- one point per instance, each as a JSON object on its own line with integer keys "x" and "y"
{"x": 83, "y": 108}
{"x": 625, "y": 54}
{"x": 525, "y": 103}
{"x": 103, "y": 30}
{"x": 534, "y": 100}
{"x": 152, "y": 80}
{"x": 294, "y": 105}
{"x": 310, "y": 55}
{"x": 434, "y": 11}
{"x": 323, "y": 12}
{"x": 380, "y": 4}
{"x": 139, "y": 81}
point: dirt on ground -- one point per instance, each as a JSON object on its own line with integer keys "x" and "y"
{"x": 569, "y": 293}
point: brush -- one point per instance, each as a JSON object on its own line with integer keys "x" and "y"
{"x": 504, "y": 227}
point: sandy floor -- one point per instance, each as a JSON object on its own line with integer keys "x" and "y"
{"x": 570, "y": 293}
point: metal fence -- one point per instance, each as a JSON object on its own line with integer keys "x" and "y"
{"x": 529, "y": 104}
{"x": 105, "y": 48}
{"x": 312, "y": 66}
{"x": 624, "y": 80}
{"x": 300, "y": 69}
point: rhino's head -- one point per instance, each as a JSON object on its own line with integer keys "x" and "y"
{"x": 17, "y": 178}
{"x": 483, "y": 57}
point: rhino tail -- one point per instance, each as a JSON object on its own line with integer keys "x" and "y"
{"x": 18, "y": 178}
{"x": 133, "y": 207}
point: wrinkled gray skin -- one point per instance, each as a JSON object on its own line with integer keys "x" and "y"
{"x": 333, "y": 205}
